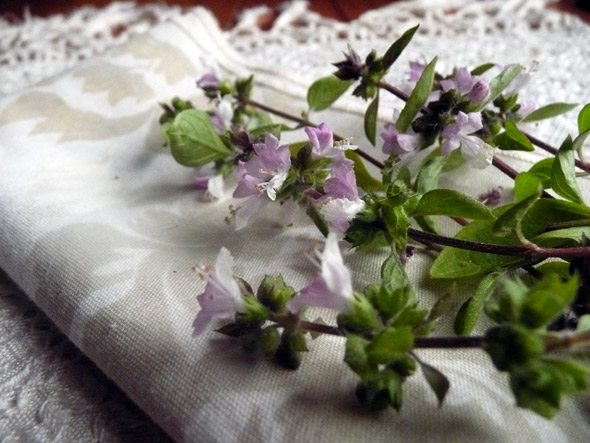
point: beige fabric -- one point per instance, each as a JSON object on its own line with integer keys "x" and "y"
{"x": 103, "y": 231}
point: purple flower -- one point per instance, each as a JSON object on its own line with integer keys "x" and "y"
{"x": 322, "y": 139}
{"x": 333, "y": 288}
{"x": 261, "y": 177}
{"x": 222, "y": 297}
{"x": 340, "y": 202}
{"x": 476, "y": 87}
{"x": 492, "y": 197}
{"x": 396, "y": 143}
{"x": 210, "y": 84}
{"x": 477, "y": 153}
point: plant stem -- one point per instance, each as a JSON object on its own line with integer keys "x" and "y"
{"x": 451, "y": 342}
{"x": 551, "y": 149}
{"x": 305, "y": 122}
{"x": 490, "y": 248}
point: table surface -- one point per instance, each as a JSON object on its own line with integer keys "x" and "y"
{"x": 226, "y": 11}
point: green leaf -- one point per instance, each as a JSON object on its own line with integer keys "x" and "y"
{"x": 355, "y": 357}
{"x": 470, "y": 312}
{"x": 525, "y": 185}
{"x": 390, "y": 345}
{"x": 364, "y": 179}
{"x": 427, "y": 180}
{"x": 584, "y": 119}
{"x": 437, "y": 381}
{"x": 193, "y": 139}
{"x": 482, "y": 68}
{"x": 371, "y": 120}
{"x": 563, "y": 176}
{"x": 579, "y": 140}
{"x": 317, "y": 219}
{"x": 512, "y": 139}
{"x": 549, "y": 111}
{"x": 583, "y": 323}
{"x": 542, "y": 170}
{"x": 499, "y": 83}
{"x": 452, "y": 203}
{"x": 510, "y": 221}
{"x": 562, "y": 237}
{"x": 417, "y": 98}
{"x": 325, "y": 91}
{"x": 398, "y": 47}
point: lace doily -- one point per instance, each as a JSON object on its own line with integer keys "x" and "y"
{"x": 48, "y": 391}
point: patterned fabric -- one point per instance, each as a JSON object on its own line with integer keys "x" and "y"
{"x": 103, "y": 231}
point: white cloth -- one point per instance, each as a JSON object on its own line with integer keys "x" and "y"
{"x": 102, "y": 230}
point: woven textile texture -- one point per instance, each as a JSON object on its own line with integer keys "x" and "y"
{"x": 102, "y": 230}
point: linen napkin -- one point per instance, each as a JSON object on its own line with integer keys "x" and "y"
{"x": 102, "y": 229}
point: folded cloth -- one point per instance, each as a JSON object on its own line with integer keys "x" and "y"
{"x": 102, "y": 229}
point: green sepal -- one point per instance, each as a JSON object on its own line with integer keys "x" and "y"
{"x": 254, "y": 311}
{"x": 274, "y": 293}
{"x": 287, "y": 354}
{"x": 511, "y": 346}
{"x": 325, "y": 91}
{"x": 382, "y": 391}
{"x": 270, "y": 339}
{"x": 193, "y": 139}
{"x": 317, "y": 219}
{"x": 355, "y": 356}
{"x": 361, "y": 317}
{"x": 390, "y": 344}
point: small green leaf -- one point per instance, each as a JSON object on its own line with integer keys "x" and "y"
{"x": 549, "y": 111}
{"x": 390, "y": 344}
{"x": 499, "y": 83}
{"x": 355, "y": 357}
{"x": 417, "y": 98}
{"x": 318, "y": 220}
{"x": 364, "y": 179}
{"x": 512, "y": 139}
{"x": 452, "y": 203}
{"x": 325, "y": 91}
{"x": 427, "y": 180}
{"x": 563, "y": 177}
{"x": 579, "y": 140}
{"x": 510, "y": 221}
{"x": 542, "y": 170}
{"x": 371, "y": 120}
{"x": 584, "y": 119}
{"x": 398, "y": 47}
{"x": 470, "y": 312}
{"x": 437, "y": 381}
{"x": 583, "y": 323}
{"x": 525, "y": 185}
{"x": 562, "y": 237}
{"x": 193, "y": 139}
{"x": 482, "y": 68}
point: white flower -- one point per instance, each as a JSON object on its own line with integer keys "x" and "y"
{"x": 477, "y": 152}
{"x": 222, "y": 297}
{"x": 333, "y": 288}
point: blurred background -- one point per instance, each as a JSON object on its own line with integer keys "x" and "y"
{"x": 226, "y": 11}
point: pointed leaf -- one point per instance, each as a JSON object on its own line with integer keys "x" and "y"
{"x": 398, "y": 47}
{"x": 427, "y": 180}
{"x": 584, "y": 119}
{"x": 325, "y": 91}
{"x": 549, "y": 111}
{"x": 470, "y": 312}
{"x": 510, "y": 221}
{"x": 371, "y": 120}
{"x": 579, "y": 140}
{"x": 512, "y": 139}
{"x": 562, "y": 237}
{"x": 417, "y": 98}
{"x": 193, "y": 139}
{"x": 563, "y": 174}
{"x": 482, "y": 68}
{"x": 452, "y": 203}
{"x": 525, "y": 185}
{"x": 390, "y": 345}
{"x": 436, "y": 380}
{"x": 499, "y": 83}
{"x": 364, "y": 179}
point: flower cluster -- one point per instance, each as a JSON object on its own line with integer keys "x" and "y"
{"x": 469, "y": 116}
